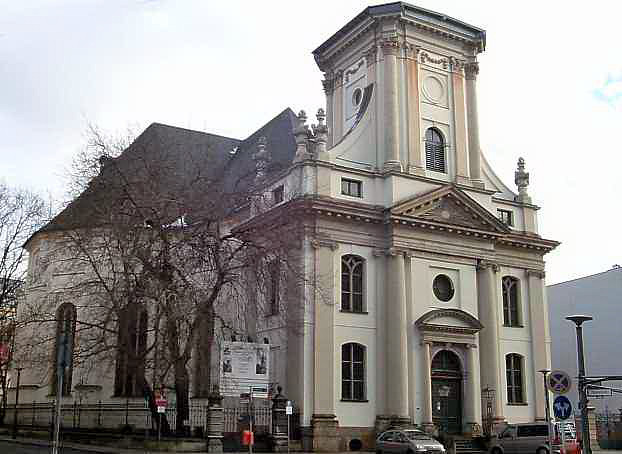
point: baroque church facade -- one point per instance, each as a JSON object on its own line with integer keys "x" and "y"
{"x": 432, "y": 309}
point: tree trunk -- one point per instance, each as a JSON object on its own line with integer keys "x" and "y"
{"x": 182, "y": 391}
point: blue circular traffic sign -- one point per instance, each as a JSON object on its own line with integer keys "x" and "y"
{"x": 562, "y": 408}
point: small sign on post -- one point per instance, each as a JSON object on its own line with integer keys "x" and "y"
{"x": 558, "y": 382}
{"x": 289, "y": 411}
{"x": 562, "y": 408}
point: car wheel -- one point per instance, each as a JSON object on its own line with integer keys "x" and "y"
{"x": 542, "y": 451}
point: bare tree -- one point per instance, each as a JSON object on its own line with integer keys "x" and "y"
{"x": 162, "y": 254}
{"x": 22, "y": 212}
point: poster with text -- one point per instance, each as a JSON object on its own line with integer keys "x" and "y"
{"x": 244, "y": 366}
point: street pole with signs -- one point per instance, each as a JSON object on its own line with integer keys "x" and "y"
{"x": 547, "y": 408}
{"x": 585, "y": 428}
{"x": 288, "y": 411}
{"x": 62, "y": 360}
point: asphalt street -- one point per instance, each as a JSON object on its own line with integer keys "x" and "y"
{"x": 18, "y": 448}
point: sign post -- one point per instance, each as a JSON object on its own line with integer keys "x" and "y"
{"x": 558, "y": 382}
{"x": 160, "y": 402}
{"x": 288, "y": 411}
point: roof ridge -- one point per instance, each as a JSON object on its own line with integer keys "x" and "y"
{"x": 585, "y": 277}
{"x": 193, "y": 130}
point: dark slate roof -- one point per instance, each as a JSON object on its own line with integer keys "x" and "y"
{"x": 167, "y": 164}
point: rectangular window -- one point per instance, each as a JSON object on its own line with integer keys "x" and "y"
{"x": 277, "y": 194}
{"x": 514, "y": 378}
{"x": 353, "y": 188}
{"x": 274, "y": 277}
{"x": 506, "y": 216}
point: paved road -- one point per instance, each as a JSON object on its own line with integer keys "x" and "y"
{"x": 16, "y": 448}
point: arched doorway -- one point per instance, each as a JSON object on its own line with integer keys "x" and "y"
{"x": 447, "y": 392}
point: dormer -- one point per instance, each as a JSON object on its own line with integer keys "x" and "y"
{"x": 423, "y": 110}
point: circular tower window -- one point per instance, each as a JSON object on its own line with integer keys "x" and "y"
{"x": 443, "y": 288}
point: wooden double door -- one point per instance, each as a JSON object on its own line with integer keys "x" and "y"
{"x": 447, "y": 392}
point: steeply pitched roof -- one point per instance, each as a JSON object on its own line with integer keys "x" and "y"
{"x": 167, "y": 162}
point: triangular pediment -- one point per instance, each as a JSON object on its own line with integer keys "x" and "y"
{"x": 450, "y": 206}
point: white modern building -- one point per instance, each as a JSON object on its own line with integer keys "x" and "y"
{"x": 428, "y": 269}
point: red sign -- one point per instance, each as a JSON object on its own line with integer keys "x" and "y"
{"x": 4, "y": 353}
{"x": 160, "y": 398}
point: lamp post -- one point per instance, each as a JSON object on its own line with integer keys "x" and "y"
{"x": 585, "y": 428}
{"x": 544, "y": 373}
{"x": 19, "y": 371}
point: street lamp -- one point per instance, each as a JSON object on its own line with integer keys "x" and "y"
{"x": 585, "y": 429}
{"x": 544, "y": 373}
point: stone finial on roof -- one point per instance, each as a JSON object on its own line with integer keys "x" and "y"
{"x": 521, "y": 179}
{"x": 321, "y": 132}
{"x": 301, "y": 133}
{"x": 260, "y": 156}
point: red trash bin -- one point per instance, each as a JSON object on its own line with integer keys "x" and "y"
{"x": 248, "y": 438}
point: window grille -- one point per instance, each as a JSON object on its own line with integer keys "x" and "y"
{"x": 514, "y": 378}
{"x": 352, "y": 283}
{"x": 353, "y": 371}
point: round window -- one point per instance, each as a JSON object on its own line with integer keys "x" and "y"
{"x": 443, "y": 287}
{"x": 357, "y": 96}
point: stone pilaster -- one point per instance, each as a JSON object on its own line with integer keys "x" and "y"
{"x": 474, "y": 409}
{"x": 462, "y": 159}
{"x": 471, "y": 70}
{"x": 427, "y": 388}
{"x": 323, "y": 422}
{"x": 540, "y": 337}
{"x": 415, "y": 164}
{"x": 337, "y": 114}
{"x": 392, "y": 162}
{"x": 329, "y": 87}
{"x": 397, "y": 356}
{"x": 491, "y": 374}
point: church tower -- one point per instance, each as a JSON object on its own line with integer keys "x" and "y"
{"x": 423, "y": 67}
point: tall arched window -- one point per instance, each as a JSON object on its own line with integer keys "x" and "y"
{"x": 511, "y": 313}
{"x": 514, "y": 378}
{"x": 64, "y": 347}
{"x": 352, "y": 283}
{"x": 352, "y": 371}
{"x": 131, "y": 350}
{"x": 435, "y": 151}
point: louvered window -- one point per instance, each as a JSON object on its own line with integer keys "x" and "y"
{"x": 435, "y": 151}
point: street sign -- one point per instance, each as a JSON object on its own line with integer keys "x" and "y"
{"x": 558, "y": 382}
{"x": 160, "y": 400}
{"x": 562, "y": 408}
{"x": 599, "y": 392}
{"x": 161, "y": 409}
{"x": 289, "y": 410}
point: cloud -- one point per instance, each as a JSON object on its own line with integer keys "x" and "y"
{"x": 611, "y": 91}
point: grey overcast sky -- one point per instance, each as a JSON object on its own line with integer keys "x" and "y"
{"x": 550, "y": 90}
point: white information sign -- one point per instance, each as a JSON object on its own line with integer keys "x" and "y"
{"x": 161, "y": 409}
{"x": 289, "y": 410}
{"x": 244, "y": 368}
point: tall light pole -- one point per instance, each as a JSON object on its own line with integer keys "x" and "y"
{"x": 585, "y": 428}
{"x": 544, "y": 373}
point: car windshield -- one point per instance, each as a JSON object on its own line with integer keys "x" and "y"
{"x": 416, "y": 435}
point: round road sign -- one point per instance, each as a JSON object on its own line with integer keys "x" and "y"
{"x": 558, "y": 382}
{"x": 562, "y": 408}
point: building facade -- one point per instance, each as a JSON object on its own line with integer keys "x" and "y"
{"x": 426, "y": 303}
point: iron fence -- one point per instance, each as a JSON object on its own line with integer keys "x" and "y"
{"x": 136, "y": 416}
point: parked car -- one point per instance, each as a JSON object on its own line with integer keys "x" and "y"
{"x": 532, "y": 438}
{"x": 408, "y": 441}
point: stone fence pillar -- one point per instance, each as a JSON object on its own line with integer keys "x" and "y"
{"x": 279, "y": 421}
{"x": 215, "y": 421}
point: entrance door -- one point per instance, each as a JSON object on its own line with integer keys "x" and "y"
{"x": 447, "y": 392}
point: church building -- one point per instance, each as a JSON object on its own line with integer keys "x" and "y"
{"x": 429, "y": 303}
